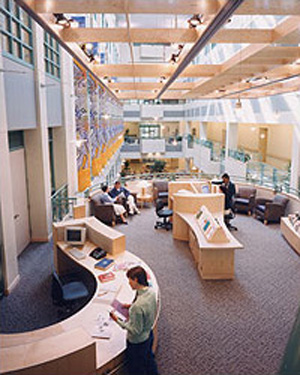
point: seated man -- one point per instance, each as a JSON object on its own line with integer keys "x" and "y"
{"x": 118, "y": 208}
{"x": 118, "y": 191}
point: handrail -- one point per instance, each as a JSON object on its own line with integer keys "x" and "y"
{"x": 61, "y": 203}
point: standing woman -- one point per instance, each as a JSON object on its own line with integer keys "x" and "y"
{"x": 142, "y": 313}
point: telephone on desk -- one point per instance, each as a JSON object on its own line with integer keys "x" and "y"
{"x": 98, "y": 253}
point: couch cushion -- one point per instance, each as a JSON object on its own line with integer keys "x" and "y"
{"x": 281, "y": 199}
{"x": 161, "y": 185}
{"x": 261, "y": 208}
{"x": 242, "y": 201}
{"x": 96, "y": 198}
{"x": 246, "y": 192}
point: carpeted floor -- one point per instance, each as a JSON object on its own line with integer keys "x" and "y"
{"x": 221, "y": 327}
{"x": 206, "y": 327}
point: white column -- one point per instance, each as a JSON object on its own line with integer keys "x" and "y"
{"x": 231, "y": 136}
{"x": 203, "y": 130}
{"x": 10, "y": 262}
{"x": 37, "y": 151}
{"x": 69, "y": 124}
{"x": 295, "y": 166}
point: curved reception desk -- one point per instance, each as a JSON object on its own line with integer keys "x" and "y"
{"x": 69, "y": 347}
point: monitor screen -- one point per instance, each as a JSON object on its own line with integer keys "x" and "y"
{"x": 205, "y": 189}
{"x": 75, "y": 235}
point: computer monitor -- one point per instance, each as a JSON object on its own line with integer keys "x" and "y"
{"x": 75, "y": 235}
{"x": 205, "y": 189}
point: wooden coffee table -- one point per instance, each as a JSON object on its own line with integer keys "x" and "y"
{"x": 144, "y": 198}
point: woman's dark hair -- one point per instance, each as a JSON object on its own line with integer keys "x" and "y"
{"x": 104, "y": 188}
{"x": 139, "y": 274}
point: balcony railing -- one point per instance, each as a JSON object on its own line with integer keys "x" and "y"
{"x": 61, "y": 204}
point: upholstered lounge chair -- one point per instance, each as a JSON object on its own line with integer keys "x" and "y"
{"x": 244, "y": 200}
{"x": 270, "y": 210}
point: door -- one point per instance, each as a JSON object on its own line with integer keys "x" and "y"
{"x": 262, "y": 143}
{"x": 17, "y": 162}
{"x": 1, "y": 261}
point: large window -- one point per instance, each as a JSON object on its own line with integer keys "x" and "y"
{"x": 16, "y": 31}
{"x": 149, "y": 131}
{"x": 52, "y": 55}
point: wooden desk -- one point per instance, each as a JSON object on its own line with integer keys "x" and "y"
{"x": 68, "y": 347}
{"x": 215, "y": 260}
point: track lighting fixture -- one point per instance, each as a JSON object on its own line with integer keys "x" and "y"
{"x": 173, "y": 59}
{"x": 62, "y": 20}
{"x": 195, "y": 21}
{"x": 238, "y": 104}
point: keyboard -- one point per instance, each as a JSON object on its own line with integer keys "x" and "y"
{"x": 77, "y": 253}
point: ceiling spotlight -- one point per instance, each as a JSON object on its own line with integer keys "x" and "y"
{"x": 195, "y": 21}
{"x": 162, "y": 79}
{"x": 62, "y": 20}
{"x": 238, "y": 104}
{"x": 117, "y": 90}
{"x": 107, "y": 79}
{"x": 91, "y": 57}
{"x": 173, "y": 59}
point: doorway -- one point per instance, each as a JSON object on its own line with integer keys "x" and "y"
{"x": 19, "y": 187}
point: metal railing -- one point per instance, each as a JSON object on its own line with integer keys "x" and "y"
{"x": 61, "y": 204}
{"x": 278, "y": 186}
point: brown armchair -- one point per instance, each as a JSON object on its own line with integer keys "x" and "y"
{"x": 244, "y": 199}
{"x": 270, "y": 210}
{"x": 160, "y": 191}
{"x": 103, "y": 212}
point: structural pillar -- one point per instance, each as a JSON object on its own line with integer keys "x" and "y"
{"x": 37, "y": 151}
{"x": 231, "y": 137}
{"x": 203, "y": 130}
{"x": 69, "y": 123}
{"x": 10, "y": 262}
{"x": 295, "y": 165}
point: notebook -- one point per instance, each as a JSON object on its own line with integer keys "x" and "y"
{"x": 104, "y": 264}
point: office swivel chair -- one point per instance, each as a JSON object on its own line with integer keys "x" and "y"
{"x": 163, "y": 213}
{"x": 67, "y": 294}
{"x": 228, "y": 216}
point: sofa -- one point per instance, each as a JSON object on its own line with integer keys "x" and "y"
{"x": 270, "y": 210}
{"x": 244, "y": 199}
{"x": 103, "y": 212}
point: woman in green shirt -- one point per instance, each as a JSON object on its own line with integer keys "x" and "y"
{"x": 142, "y": 313}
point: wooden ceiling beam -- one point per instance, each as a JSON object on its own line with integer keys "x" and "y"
{"x": 147, "y": 86}
{"x": 153, "y": 70}
{"x": 119, "y": 35}
{"x": 208, "y": 7}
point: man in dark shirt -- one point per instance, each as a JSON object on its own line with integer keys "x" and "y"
{"x": 119, "y": 191}
{"x": 228, "y": 188}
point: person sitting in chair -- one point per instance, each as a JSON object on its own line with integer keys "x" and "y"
{"x": 119, "y": 191}
{"x": 228, "y": 189}
{"x": 118, "y": 208}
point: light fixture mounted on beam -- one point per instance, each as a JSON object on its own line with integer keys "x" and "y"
{"x": 62, "y": 20}
{"x": 238, "y": 104}
{"x": 195, "y": 21}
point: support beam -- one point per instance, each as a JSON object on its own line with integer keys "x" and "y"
{"x": 120, "y": 35}
{"x": 154, "y": 70}
{"x": 207, "y": 7}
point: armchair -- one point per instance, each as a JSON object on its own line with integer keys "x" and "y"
{"x": 270, "y": 210}
{"x": 103, "y": 212}
{"x": 244, "y": 199}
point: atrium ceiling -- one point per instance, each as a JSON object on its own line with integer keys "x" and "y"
{"x": 185, "y": 49}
